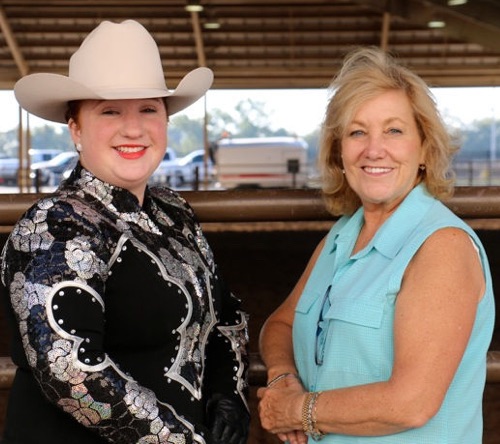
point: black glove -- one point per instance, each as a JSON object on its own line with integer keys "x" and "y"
{"x": 228, "y": 420}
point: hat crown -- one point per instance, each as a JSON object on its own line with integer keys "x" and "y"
{"x": 118, "y": 57}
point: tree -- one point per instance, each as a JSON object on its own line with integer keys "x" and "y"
{"x": 44, "y": 137}
{"x": 185, "y": 134}
{"x": 47, "y": 136}
{"x": 9, "y": 144}
{"x": 253, "y": 121}
{"x": 477, "y": 141}
{"x": 221, "y": 122}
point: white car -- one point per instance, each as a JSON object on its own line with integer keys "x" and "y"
{"x": 9, "y": 166}
{"x": 167, "y": 172}
{"x": 51, "y": 171}
{"x": 193, "y": 162}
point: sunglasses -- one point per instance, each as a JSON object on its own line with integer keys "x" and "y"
{"x": 322, "y": 328}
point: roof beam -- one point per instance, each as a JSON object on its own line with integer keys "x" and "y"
{"x": 460, "y": 24}
{"x": 12, "y": 44}
{"x": 200, "y": 51}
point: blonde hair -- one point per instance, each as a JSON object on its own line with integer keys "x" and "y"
{"x": 365, "y": 74}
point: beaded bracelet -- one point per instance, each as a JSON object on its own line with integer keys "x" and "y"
{"x": 279, "y": 378}
{"x": 309, "y": 416}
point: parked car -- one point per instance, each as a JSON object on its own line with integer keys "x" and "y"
{"x": 51, "y": 171}
{"x": 192, "y": 162}
{"x": 9, "y": 166}
{"x": 167, "y": 172}
{"x": 8, "y": 170}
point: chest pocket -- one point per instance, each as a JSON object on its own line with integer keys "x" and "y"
{"x": 359, "y": 340}
{"x": 358, "y": 337}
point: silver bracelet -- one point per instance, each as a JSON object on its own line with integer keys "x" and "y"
{"x": 279, "y": 378}
{"x": 309, "y": 416}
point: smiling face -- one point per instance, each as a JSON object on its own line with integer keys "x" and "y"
{"x": 382, "y": 150}
{"x": 123, "y": 141}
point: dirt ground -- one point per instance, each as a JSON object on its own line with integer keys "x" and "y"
{"x": 262, "y": 265}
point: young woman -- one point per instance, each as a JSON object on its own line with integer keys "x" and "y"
{"x": 124, "y": 331}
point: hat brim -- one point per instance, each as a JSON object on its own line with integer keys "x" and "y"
{"x": 47, "y": 95}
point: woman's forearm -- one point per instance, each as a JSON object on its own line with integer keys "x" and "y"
{"x": 276, "y": 348}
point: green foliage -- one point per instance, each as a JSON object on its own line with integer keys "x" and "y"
{"x": 185, "y": 135}
{"x": 313, "y": 140}
{"x": 43, "y": 137}
{"x": 477, "y": 140}
{"x": 252, "y": 121}
{"x": 8, "y": 144}
{"x": 50, "y": 137}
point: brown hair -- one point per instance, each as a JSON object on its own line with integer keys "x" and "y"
{"x": 365, "y": 74}
{"x": 73, "y": 109}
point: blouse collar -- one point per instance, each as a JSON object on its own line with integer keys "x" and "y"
{"x": 119, "y": 201}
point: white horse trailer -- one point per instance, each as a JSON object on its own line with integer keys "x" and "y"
{"x": 263, "y": 162}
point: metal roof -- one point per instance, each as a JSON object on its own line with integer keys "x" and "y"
{"x": 264, "y": 43}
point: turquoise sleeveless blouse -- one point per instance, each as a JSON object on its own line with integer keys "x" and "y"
{"x": 358, "y": 348}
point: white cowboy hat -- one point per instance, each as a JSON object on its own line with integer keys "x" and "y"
{"x": 115, "y": 61}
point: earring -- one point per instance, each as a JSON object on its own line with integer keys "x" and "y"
{"x": 78, "y": 147}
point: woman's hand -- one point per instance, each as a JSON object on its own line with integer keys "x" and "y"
{"x": 280, "y": 409}
{"x": 228, "y": 419}
{"x": 295, "y": 437}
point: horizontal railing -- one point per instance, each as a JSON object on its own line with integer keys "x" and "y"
{"x": 276, "y": 205}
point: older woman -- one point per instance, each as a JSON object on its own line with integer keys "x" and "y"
{"x": 384, "y": 338}
{"x": 124, "y": 331}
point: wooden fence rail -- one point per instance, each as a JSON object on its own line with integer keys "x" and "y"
{"x": 276, "y": 205}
